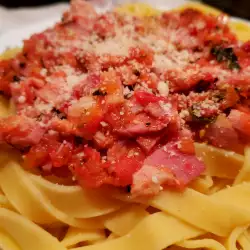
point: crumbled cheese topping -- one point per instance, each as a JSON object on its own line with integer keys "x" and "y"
{"x": 163, "y": 88}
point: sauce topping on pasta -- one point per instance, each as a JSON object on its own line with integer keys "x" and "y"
{"x": 113, "y": 99}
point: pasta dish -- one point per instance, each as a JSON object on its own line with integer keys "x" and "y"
{"x": 127, "y": 130}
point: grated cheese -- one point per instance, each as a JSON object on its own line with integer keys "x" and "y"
{"x": 163, "y": 88}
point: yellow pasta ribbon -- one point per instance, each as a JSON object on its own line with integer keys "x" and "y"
{"x": 75, "y": 236}
{"x": 138, "y": 9}
{"x": 209, "y": 213}
{"x": 244, "y": 174}
{"x": 203, "y": 243}
{"x": 7, "y": 243}
{"x": 25, "y": 234}
{"x": 155, "y": 232}
{"x": 30, "y": 202}
{"x": 124, "y": 220}
{"x": 9, "y": 53}
{"x": 244, "y": 240}
{"x": 232, "y": 239}
{"x": 219, "y": 162}
{"x": 74, "y": 200}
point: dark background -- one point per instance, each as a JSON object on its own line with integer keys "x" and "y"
{"x": 240, "y": 8}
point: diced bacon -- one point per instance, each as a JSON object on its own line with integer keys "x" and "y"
{"x": 86, "y": 86}
{"x": 23, "y": 93}
{"x": 134, "y": 106}
{"x": 81, "y": 8}
{"x": 221, "y": 133}
{"x": 104, "y": 26}
{"x": 166, "y": 166}
{"x": 20, "y": 131}
{"x": 142, "y": 124}
{"x": 147, "y": 143}
{"x": 160, "y": 110}
{"x": 147, "y": 181}
{"x": 101, "y": 140}
{"x": 155, "y": 110}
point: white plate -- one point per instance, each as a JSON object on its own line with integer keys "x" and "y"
{"x": 14, "y": 37}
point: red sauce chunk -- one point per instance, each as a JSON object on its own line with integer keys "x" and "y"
{"x": 119, "y": 100}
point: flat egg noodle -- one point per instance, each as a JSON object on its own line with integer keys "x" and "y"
{"x": 76, "y": 235}
{"x": 30, "y": 202}
{"x": 25, "y": 233}
{"x": 75, "y": 201}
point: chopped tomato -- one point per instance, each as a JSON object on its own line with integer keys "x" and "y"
{"x": 231, "y": 98}
{"x": 86, "y": 115}
{"x": 144, "y": 98}
{"x": 124, "y": 169}
{"x": 61, "y": 154}
{"x": 240, "y": 121}
{"x": 111, "y": 85}
{"x": 246, "y": 46}
{"x": 49, "y": 151}
{"x": 94, "y": 173}
{"x": 142, "y": 55}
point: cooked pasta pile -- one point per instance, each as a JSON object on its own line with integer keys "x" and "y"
{"x": 212, "y": 213}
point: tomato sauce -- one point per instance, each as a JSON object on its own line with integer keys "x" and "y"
{"x": 119, "y": 100}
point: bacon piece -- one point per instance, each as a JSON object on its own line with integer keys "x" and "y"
{"x": 148, "y": 142}
{"x": 20, "y": 131}
{"x": 143, "y": 124}
{"x": 166, "y": 166}
{"x": 221, "y": 133}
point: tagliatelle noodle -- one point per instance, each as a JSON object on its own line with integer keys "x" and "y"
{"x": 206, "y": 243}
{"x": 244, "y": 240}
{"x": 216, "y": 159}
{"x": 207, "y": 215}
{"x": 76, "y": 235}
{"x": 21, "y": 192}
{"x": 156, "y": 231}
{"x": 244, "y": 174}
{"x": 7, "y": 243}
{"x": 74, "y": 201}
{"x": 202, "y": 184}
{"x": 25, "y": 233}
{"x": 232, "y": 239}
